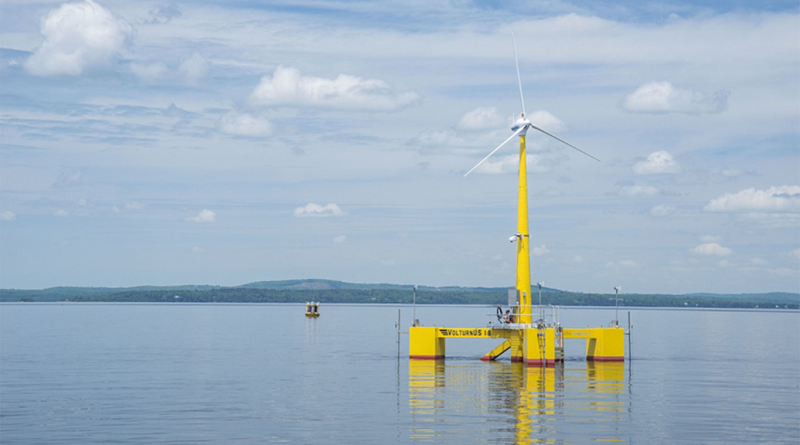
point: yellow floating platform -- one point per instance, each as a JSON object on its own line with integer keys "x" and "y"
{"x": 535, "y": 346}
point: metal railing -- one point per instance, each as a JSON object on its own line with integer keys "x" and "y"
{"x": 542, "y": 316}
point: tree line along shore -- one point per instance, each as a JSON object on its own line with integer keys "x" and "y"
{"x": 299, "y": 291}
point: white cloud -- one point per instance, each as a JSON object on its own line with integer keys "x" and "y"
{"x": 438, "y": 139}
{"x": 78, "y": 36}
{"x": 510, "y": 164}
{"x": 312, "y": 209}
{"x": 638, "y": 190}
{"x": 710, "y": 239}
{"x": 540, "y": 250}
{"x": 69, "y": 179}
{"x": 783, "y": 198}
{"x": 149, "y": 71}
{"x": 191, "y": 70}
{"x": 8, "y": 216}
{"x": 197, "y": 249}
{"x": 711, "y": 249}
{"x": 243, "y": 124}
{"x": 116, "y": 209}
{"x": 657, "y": 163}
{"x": 61, "y": 213}
{"x": 784, "y": 272}
{"x": 287, "y": 86}
{"x": 134, "y": 205}
{"x": 772, "y": 220}
{"x": 205, "y": 216}
{"x": 194, "y": 68}
{"x": 662, "y": 210}
{"x": 547, "y": 122}
{"x": 482, "y": 127}
{"x": 577, "y": 259}
{"x": 459, "y": 142}
{"x": 341, "y": 239}
{"x": 796, "y": 253}
{"x": 480, "y": 119}
{"x": 730, "y": 172}
{"x": 165, "y": 13}
{"x": 758, "y": 261}
{"x": 663, "y": 97}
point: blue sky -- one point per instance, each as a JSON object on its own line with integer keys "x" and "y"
{"x": 228, "y": 142}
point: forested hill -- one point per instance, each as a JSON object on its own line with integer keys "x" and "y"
{"x": 67, "y": 292}
{"x": 73, "y": 293}
{"x": 328, "y": 291}
{"x": 331, "y": 284}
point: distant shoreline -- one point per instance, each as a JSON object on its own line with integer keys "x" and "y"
{"x": 393, "y": 305}
{"x": 327, "y": 291}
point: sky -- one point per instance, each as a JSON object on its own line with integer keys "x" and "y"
{"x": 217, "y": 142}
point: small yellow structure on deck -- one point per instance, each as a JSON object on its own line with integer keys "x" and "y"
{"x": 312, "y": 309}
{"x": 536, "y": 343}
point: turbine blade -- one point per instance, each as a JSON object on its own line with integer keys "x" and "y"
{"x": 519, "y": 79}
{"x": 498, "y": 148}
{"x": 562, "y": 140}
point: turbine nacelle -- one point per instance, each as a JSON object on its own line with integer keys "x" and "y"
{"x": 523, "y": 123}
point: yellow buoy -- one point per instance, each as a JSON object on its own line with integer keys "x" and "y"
{"x": 312, "y": 309}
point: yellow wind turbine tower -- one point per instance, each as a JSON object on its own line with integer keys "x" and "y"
{"x": 522, "y": 237}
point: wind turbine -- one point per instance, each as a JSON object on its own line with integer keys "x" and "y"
{"x": 520, "y": 128}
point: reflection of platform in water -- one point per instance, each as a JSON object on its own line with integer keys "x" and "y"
{"x": 424, "y": 378}
{"x": 542, "y": 402}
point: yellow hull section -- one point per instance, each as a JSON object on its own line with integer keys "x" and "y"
{"x": 531, "y": 345}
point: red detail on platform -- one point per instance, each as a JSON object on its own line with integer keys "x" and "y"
{"x": 488, "y": 358}
{"x": 517, "y": 359}
{"x": 598, "y": 358}
{"x": 539, "y": 363}
{"x": 426, "y": 357}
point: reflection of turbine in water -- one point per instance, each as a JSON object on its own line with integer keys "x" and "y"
{"x": 544, "y": 405}
{"x": 538, "y": 404}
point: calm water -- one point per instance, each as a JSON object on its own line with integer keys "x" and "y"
{"x": 117, "y": 373}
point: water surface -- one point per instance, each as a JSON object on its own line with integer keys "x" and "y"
{"x": 194, "y": 373}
